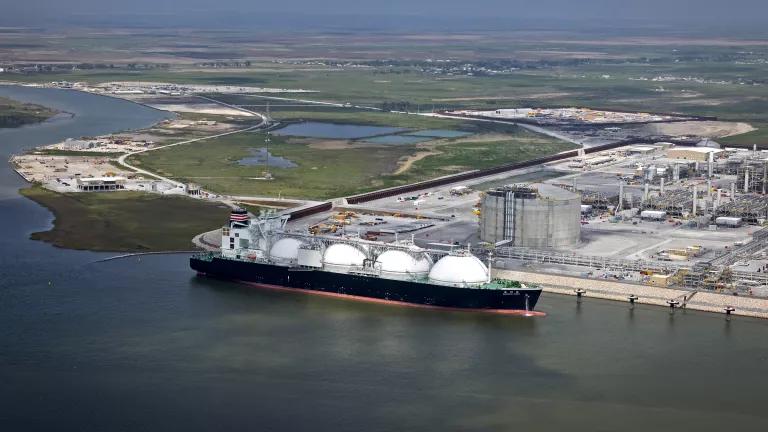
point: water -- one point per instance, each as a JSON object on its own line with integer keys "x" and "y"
{"x": 396, "y": 139}
{"x": 261, "y": 155}
{"x": 334, "y": 130}
{"x": 143, "y": 344}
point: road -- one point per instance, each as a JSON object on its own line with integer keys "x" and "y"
{"x": 122, "y": 159}
{"x": 310, "y": 102}
{"x": 532, "y": 128}
{"x": 122, "y": 162}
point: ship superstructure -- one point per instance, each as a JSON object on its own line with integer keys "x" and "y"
{"x": 262, "y": 251}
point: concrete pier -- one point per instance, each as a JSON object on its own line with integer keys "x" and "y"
{"x": 619, "y": 291}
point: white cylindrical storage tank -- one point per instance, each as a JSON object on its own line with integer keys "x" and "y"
{"x": 342, "y": 257}
{"x": 285, "y": 250}
{"x": 459, "y": 270}
{"x": 398, "y": 264}
{"x": 537, "y": 216}
{"x": 653, "y": 214}
{"x": 728, "y": 221}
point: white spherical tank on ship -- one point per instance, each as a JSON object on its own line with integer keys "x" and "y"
{"x": 285, "y": 250}
{"x": 459, "y": 270}
{"x": 343, "y": 257}
{"x": 399, "y": 264}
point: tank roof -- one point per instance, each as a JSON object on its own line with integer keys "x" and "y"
{"x": 537, "y": 191}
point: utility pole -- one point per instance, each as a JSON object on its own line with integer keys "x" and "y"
{"x": 267, "y": 174}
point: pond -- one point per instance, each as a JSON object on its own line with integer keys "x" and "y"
{"x": 335, "y": 130}
{"x": 261, "y": 155}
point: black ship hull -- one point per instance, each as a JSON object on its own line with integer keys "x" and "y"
{"x": 368, "y": 287}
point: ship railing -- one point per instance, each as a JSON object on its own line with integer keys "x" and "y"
{"x": 206, "y": 255}
{"x": 365, "y": 270}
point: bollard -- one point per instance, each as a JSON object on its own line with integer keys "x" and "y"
{"x": 672, "y": 305}
{"x": 579, "y": 292}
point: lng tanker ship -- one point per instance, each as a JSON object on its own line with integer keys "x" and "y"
{"x": 262, "y": 252}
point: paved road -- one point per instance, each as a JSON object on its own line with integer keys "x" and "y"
{"x": 122, "y": 162}
{"x": 122, "y": 159}
{"x": 311, "y": 102}
{"x": 530, "y": 127}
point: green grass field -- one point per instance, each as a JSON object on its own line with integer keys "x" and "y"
{"x": 479, "y": 155}
{"x": 320, "y": 174}
{"x": 624, "y": 86}
{"x": 328, "y": 173}
{"x": 125, "y": 221}
{"x": 371, "y": 118}
{"x": 13, "y": 113}
{"x": 716, "y": 80}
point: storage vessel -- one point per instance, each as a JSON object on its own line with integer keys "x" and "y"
{"x": 261, "y": 251}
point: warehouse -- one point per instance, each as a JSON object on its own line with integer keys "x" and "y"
{"x": 700, "y": 154}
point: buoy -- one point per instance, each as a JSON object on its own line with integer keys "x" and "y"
{"x": 632, "y": 299}
{"x": 728, "y": 310}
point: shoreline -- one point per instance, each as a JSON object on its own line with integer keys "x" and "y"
{"x": 704, "y": 301}
{"x": 72, "y": 115}
{"x": 50, "y": 114}
{"x": 104, "y": 214}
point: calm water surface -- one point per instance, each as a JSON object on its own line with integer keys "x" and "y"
{"x": 334, "y": 130}
{"x": 261, "y": 155}
{"x": 142, "y": 344}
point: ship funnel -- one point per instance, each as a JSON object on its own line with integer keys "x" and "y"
{"x": 239, "y": 218}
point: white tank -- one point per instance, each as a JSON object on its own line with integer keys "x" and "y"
{"x": 285, "y": 250}
{"x": 399, "y": 264}
{"x": 459, "y": 270}
{"x": 341, "y": 256}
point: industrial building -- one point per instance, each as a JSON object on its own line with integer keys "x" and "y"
{"x": 539, "y": 216}
{"x": 700, "y": 154}
{"x": 101, "y": 183}
{"x": 641, "y": 150}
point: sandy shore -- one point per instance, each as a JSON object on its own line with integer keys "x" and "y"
{"x": 603, "y": 289}
{"x": 712, "y": 129}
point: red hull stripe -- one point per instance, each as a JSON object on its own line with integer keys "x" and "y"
{"x": 395, "y": 302}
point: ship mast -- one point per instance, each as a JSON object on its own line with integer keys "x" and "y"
{"x": 490, "y": 265}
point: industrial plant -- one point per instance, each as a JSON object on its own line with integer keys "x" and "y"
{"x": 670, "y": 218}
